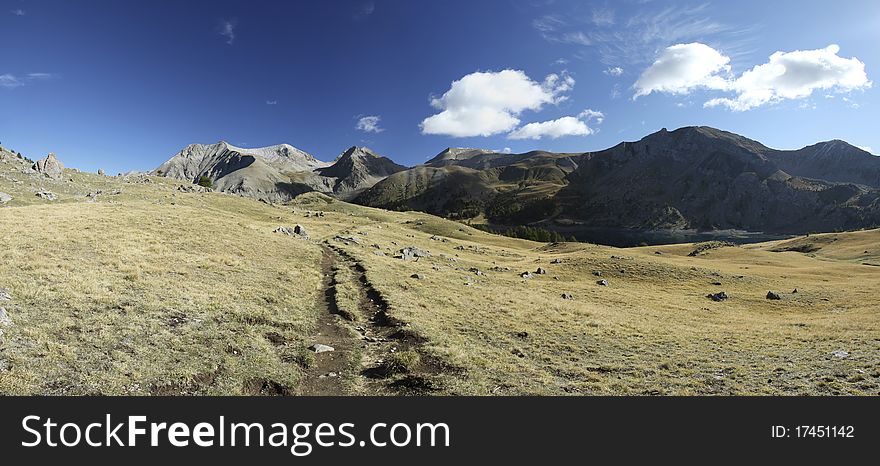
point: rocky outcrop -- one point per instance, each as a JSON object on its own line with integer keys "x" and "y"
{"x": 49, "y": 167}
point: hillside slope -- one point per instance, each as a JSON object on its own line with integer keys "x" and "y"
{"x": 694, "y": 178}
{"x": 130, "y": 285}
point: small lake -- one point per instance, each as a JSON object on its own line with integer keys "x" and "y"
{"x": 624, "y": 238}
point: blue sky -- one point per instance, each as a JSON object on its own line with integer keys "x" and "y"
{"x": 125, "y": 85}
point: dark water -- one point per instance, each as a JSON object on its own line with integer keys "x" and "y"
{"x": 624, "y": 238}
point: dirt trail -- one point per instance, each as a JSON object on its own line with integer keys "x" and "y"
{"x": 331, "y": 372}
{"x": 362, "y": 342}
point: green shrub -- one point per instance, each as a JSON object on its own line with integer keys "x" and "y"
{"x": 206, "y": 182}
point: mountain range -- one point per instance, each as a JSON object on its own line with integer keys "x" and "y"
{"x": 277, "y": 173}
{"x": 693, "y": 178}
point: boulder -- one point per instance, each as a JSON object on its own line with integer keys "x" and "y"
{"x": 773, "y": 296}
{"x": 556, "y": 261}
{"x": 567, "y": 296}
{"x": 417, "y": 276}
{"x": 319, "y": 348}
{"x": 840, "y": 354}
{"x": 47, "y": 195}
{"x": 602, "y": 282}
{"x": 100, "y": 172}
{"x": 540, "y": 271}
{"x": 526, "y": 275}
{"x": 49, "y": 167}
{"x": 284, "y": 231}
{"x": 4, "y": 198}
{"x": 413, "y": 253}
{"x": 718, "y": 297}
{"x": 301, "y": 231}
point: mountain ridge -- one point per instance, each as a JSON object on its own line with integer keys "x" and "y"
{"x": 696, "y": 178}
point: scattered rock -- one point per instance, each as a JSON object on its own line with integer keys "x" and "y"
{"x": 47, "y": 195}
{"x": 556, "y": 261}
{"x": 773, "y": 296}
{"x": 840, "y": 354}
{"x": 413, "y": 253}
{"x": 5, "y": 320}
{"x": 718, "y": 297}
{"x": 518, "y": 353}
{"x": 794, "y": 291}
{"x": 4, "y": 198}
{"x": 193, "y": 188}
{"x": 708, "y": 246}
{"x": 567, "y": 296}
{"x": 301, "y": 231}
{"x": 716, "y": 283}
{"x": 49, "y": 167}
{"x": 417, "y": 276}
{"x": 459, "y": 248}
{"x": 659, "y": 253}
{"x": 522, "y": 335}
{"x": 540, "y": 271}
{"x": 319, "y": 348}
{"x": 476, "y": 271}
{"x": 4, "y": 295}
{"x": 602, "y": 282}
{"x": 347, "y": 239}
{"x": 597, "y": 273}
{"x": 526, "y": 275}
{"x": 284, "y": 231}
{"x": 101, "y": 172}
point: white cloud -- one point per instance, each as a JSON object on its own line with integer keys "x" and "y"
{"x": 227, "y": 29}
{"x": 639, "y": 34}
{"x": 614, "y": 71}
{"x": 10, "y": 81}
{"x": 590, "y": 114}
{"x": 548, "y": 23}
{"x": 18, "y": 12}
{"x": 603, "y": 17}
{"x": 271, "y": 102}
{"x": 506, "y": 150}
{"x": 369, "y": 124}
{"x": 565, "y": 126}
{"x": 364, "y": 11}
{"x": 795, "y": 75}
{"x": 683, "y": 67}
{"x": 487, "y": 103}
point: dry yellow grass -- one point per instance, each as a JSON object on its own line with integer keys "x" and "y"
{"x": 157, "y": 291}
